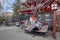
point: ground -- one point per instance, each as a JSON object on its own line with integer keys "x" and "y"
{"x": 14, "y": 33}
{"x": 58, "y": 35}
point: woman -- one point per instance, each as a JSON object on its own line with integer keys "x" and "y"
{"x": 38, "y": 26}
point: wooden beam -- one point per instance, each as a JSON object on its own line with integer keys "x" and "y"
{"x": 54, "y": 28}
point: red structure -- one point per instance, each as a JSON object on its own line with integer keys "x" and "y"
{"x": 35, "y": 6}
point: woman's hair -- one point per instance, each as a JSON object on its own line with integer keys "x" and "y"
{"x": 35, "y": 21}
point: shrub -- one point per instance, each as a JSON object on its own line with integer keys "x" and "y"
{"x": 1, "y": 20}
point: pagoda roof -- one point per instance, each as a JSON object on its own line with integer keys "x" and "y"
{"x": 29, "y": 10}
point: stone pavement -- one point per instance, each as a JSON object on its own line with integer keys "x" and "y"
{"x": 58, "y": 35}
{"x": 14, "y": 33}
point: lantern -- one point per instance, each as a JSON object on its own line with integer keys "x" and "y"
{"x": 54, "y": 6}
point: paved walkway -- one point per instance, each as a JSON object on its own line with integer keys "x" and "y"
{"x": 58, "y": 35}
{"x": 14, "y": 33}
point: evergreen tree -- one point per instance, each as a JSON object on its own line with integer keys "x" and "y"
{"x": 16, "y": 7}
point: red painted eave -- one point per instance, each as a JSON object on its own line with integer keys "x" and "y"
{"x": 26, "y": 11}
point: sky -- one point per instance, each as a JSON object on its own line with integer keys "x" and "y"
{"x": 23, "y": 0}
{"x": 7, "y": 5}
